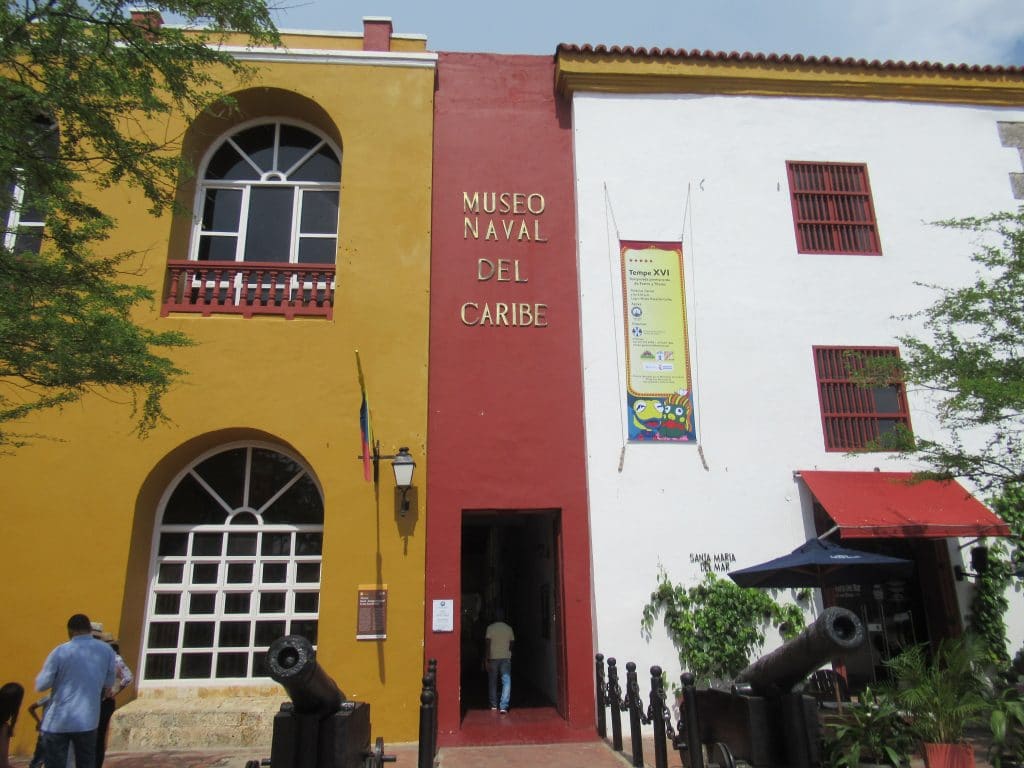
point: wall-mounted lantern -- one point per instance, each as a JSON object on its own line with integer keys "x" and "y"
{"x": 403, "y": 465}
{"x": 979, "y": 564}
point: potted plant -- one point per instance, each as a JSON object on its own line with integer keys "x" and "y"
{"x": 870, "y": 731}
{"x": 941, "y": 697}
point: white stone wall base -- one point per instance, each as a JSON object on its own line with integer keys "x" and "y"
{"x": 196, "y": 719}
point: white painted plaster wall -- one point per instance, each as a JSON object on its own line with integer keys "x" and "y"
{"x": 712, "y": 172}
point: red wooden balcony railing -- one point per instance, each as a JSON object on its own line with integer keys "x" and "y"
{"x": 249, "y": 288}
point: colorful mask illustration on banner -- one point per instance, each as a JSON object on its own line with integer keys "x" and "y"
{"x": 662, "y": 418}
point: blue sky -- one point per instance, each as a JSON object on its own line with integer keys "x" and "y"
{"x": 946, "y": 31}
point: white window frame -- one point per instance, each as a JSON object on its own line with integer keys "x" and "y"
{"x": 185, "y": 588}
{"x": 268, "y": 179}
{"x": 15, "y": 225}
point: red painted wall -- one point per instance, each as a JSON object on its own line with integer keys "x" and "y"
{"x": 505, "y": 428}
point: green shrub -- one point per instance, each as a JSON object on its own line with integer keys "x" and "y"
{"x": 943, "y": 695}
{"x": 1006, "y": 722}
{"x": 872, "y": 730}
{"x": 717, "y": 626}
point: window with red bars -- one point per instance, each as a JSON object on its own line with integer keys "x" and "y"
{"x": 856, "y": 417}
{"x": 832, "y": 208}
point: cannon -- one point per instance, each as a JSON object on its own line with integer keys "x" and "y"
{"x": 318, "y": 727}
{"x": 292, "y": 663}
{"x": 765, "y": 720}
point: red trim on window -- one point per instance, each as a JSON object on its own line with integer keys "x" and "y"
{"x": 832, "y": 208}
{"x": 249, "y": 288}
{"x": 849, "y": 412}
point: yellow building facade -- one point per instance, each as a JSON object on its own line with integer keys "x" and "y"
{"x": 249, "y": 515}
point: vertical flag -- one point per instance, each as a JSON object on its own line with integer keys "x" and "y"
{"x": 365, "y": 428}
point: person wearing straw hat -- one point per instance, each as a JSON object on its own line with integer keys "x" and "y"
{"x": 123, "y": 677}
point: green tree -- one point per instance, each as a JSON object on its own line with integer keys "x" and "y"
{"x": 1005, "y": 559}
{"x": 971, "y": 360}
{"x": 86, "y": 93}
{"x": 716, "y": 626}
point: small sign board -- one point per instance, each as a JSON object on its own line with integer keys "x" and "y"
{"x": 444, "y": 615}
{"x": 372, "y": 619}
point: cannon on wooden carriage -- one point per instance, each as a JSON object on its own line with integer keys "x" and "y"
{"x": 765, "y": 720}
{"x": 318, "y": 727}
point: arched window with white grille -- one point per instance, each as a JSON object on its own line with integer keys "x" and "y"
{"x": 269, "y": 193}
{"x": 265, "y": 226}
{"x": 236, "y": 564}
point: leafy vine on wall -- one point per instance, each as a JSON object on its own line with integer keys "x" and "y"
{"x": 715, "y": 625}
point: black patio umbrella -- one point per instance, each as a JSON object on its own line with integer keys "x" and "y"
{"x": 818, "y": 563}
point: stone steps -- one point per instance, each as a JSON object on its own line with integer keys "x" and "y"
{"x": 192, "y": 718}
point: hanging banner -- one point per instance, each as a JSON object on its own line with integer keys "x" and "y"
{"x": 659, "y": 393}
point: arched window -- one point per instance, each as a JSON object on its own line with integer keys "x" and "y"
{"x": 236, "y": 565}
{"x": 269, "y": 193}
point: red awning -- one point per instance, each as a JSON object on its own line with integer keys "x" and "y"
{"x": 868, "y": 505}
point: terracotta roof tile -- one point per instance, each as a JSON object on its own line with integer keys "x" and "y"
{"x": 786, "y": 58}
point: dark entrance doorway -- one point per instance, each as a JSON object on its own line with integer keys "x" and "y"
{"x": 510, "y": 559}
{"x": 899, "y": 613}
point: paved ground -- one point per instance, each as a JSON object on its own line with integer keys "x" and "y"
{"x": 591, "y": 754}
{"x": 406, "y": 754}
{"x": 172, "y": 759}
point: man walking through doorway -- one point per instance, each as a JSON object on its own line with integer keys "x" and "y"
{"x": 498, "y": 641}
{"x": 79, "y": 673}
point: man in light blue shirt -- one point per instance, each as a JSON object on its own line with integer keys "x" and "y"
{"x": 80, "y": 673}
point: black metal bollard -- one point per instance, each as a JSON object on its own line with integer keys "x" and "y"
{"x": 428, "y": 708}
{"x": 615, "y": 701}
{"x": 602, "y": 728}
{"x": 633, "y": 704}
{"x": 658, "y": 718}
{"x": 691, "y": 720}
{"x": 432, "y": 674}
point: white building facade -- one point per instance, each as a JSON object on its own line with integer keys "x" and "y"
{"x": 705, "y": 151}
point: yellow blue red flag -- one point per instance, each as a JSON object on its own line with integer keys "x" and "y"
{"x": 365, "y": 427}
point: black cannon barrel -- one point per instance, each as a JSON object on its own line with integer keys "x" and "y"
{"x": 292, "y": 663}
{"x": 835, "y": 633}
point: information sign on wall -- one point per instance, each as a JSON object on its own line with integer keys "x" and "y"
{"x": 372, "y": 618}
{"x": 443, "y": 615}
{"x": 659, "y": 391}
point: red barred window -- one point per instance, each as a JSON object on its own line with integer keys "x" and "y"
{"x": 855, "y": 417}
{"x": 832, "y": 208}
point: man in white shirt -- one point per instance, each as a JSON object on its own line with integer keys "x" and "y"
{"x": 498, "y": 660}
{"x": 79, "y": 673}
